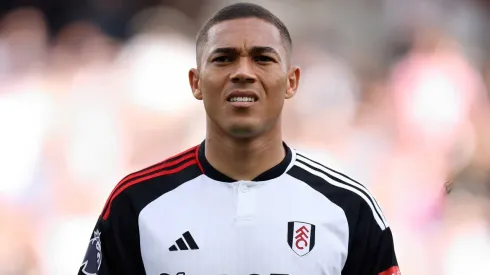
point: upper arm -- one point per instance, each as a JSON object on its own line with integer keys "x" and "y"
{"x": 114, "y": 244}
{"x": 371, "y": 247}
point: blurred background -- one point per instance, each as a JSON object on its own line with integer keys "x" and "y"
{"x": 394, "y": 92}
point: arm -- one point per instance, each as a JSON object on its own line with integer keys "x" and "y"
{"x": 371, "y": 248}
{"x": 114, "y": 244}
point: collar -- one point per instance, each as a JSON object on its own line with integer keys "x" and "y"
{"x": 270, "y": 174}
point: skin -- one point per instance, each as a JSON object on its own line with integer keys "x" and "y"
{"x": 248, "y": 55}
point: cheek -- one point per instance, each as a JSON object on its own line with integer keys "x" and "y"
{"x": 211, "y": 86}
{"x": 276, "y": 85}
{"x": 275, "y": 89}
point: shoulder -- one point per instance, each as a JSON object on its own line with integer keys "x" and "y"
{"x": 141, "y": 187}
{"x": 343, "y": 190}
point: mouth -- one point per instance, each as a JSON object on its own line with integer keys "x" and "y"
{"x": 242, "y": 99}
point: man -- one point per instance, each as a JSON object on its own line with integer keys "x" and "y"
{"x": 242, "y": 202}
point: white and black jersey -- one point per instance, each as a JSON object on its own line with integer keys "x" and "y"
{"x": 184, "y": 217}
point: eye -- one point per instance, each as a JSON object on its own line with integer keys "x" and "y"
{"x": 263, "y": 59}
{"x": 222, "y": 59}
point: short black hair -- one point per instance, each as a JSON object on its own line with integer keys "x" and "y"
{"x": 239, "y": 11}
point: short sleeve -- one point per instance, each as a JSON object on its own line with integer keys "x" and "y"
{"x": 371, "y": 247}
{"x": 113, "y": 248}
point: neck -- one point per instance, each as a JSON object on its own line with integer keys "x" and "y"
{"x": 244, "y": 159}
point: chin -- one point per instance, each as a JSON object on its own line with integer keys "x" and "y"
{"x": 243, "y": 132}
{"x": 243, "y": 127}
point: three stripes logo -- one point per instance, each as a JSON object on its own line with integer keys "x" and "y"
{"x": 184, "y": 243}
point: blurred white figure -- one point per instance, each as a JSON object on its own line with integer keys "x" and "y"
{"x": 95, "y": 156}
{"x": 90, "y": 113}
{"x": 25, "y": 116}
{"x": 435, "y": 90}
{"x": 25, "y": 108}
{"x": 413, "y": 251}
{"x": 466, "y": 244}
{"x": 63, "y": 247}
{"x": 157, "y": 72}
{"x": 469, "y": 252}
{"x": 328, "y": 102}
{"x": 330, "y": 88}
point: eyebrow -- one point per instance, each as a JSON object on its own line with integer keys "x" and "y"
{"x": 254, "y": 50}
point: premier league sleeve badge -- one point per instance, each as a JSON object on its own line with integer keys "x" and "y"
{"x": 93, "y": 257}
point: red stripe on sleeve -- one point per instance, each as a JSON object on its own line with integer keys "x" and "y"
{"x": 147, "y": 177}
{"x": 391, "y": 271}
{"x": 143, "y": 172}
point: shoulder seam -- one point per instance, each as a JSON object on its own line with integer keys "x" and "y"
{"x": 174, "y": 158}
{"x": 342, "y": 181}
{"x": 169, "y": 166}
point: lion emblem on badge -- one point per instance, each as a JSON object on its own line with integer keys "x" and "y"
{"x": 93, "y": 257}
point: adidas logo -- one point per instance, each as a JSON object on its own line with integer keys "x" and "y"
{"x": 184, "y": 243}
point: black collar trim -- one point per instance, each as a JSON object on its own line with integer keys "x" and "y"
{"x": 270, "y": 174}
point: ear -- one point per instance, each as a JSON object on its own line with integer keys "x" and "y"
{"x": 194, "y": 81}
{"x": 293, "y": 81}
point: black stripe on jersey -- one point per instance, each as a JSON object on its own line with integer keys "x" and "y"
{"x": 364, "y": 189}
{"x": 327, "y": 168}
{"x": 333, "y": 177}
{"x": 343, "y": 198}
{"x": 181, "y": 244}
{"x": 355, "y": 185}
{"x": 190, "y": 241}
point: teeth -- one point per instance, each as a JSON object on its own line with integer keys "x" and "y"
{"x": 242, "y": 99}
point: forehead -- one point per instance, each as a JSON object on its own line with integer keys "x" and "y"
{"x": 244, "y": 33}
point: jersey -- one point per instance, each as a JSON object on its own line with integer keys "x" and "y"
{"x": 183, "y": 217}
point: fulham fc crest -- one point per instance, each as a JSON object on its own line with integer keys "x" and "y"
{"x": 301, "y": 237}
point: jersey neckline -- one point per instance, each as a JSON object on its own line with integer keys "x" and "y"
{"x": 270, "y": 174}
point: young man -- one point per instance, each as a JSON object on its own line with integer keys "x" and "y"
{"x": 242, "y": 202}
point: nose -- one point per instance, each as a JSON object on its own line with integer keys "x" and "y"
{"x": 244, "y": 72}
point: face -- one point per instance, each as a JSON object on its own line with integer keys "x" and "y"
{"x": 244, "y": 77}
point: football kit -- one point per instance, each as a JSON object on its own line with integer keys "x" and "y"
{"x": 184, "y": 217}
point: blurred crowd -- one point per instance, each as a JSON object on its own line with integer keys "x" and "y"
{"x": 393, "y": 92}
